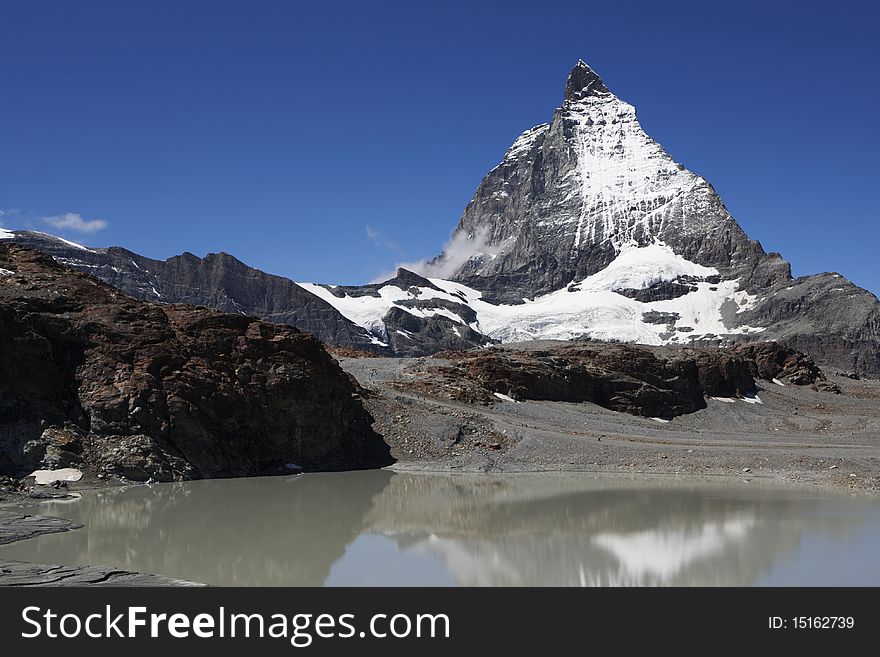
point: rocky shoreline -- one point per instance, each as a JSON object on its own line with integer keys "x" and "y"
{"x": 16, "y": 526}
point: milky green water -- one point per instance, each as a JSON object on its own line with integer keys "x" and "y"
{"x": 554, "y": 529}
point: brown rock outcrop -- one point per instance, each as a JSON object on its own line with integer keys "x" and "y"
{"x": 659, "y": 382}
{"x": 771, "y": 360}
{"x": 93, "y": 378}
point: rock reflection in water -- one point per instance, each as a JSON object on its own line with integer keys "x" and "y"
{"x": 551, "y": 529}
{"x": 575, "y": 530}
{"x": 256, "y": 531}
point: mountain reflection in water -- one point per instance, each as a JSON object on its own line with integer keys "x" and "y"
{"x": 536, "y": 529}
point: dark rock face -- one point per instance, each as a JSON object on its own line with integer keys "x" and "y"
{"x": 217, "y": 281}
{"x": 620, "y": 377}
{"x": 826, "y": 316}
{"x": 583, "y": 81}
{"x": 404, "y": 279}
{"x": 409, "y": 335}
{"x": 659, "y": 382}
{"x": 659, "y": 292}
{"x": 771, "y": 360}
{"x": 92, "y": 378}
{"x": 654, "y": 317}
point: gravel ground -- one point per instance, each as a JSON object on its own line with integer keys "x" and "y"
{"x": 796, "y": 433}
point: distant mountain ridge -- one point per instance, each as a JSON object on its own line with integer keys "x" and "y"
{"x": 223, "y": 282}
{"x": 587, "y": 229}
{"x": 216, "y": 281}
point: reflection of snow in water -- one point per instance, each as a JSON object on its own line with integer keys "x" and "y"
{"x": 663, "y": 553}
{"x": 476, "y": 568}
{"x": 655, "y": 557}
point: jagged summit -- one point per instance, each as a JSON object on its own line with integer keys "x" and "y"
{"x": 583, "y": 81}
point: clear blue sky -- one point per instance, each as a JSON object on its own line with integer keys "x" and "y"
{"x": 281, "y": 131}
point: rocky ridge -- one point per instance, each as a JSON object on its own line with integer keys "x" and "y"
{"x": 218, "y": 281}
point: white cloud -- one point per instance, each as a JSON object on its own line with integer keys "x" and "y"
{"x": 460, "y": 248}
{"x": 73, "y": 221}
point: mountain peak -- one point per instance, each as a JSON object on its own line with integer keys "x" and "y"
{"x": 583, "y": 81}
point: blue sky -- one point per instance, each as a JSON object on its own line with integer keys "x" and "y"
{"x": 326, "y": 141}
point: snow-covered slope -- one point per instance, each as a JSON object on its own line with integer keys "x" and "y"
{"x": 624, "y": 185}
{"x": 595, "y": 307}
{"x": 368, "y": 310}
{"x": 600, "y": 306}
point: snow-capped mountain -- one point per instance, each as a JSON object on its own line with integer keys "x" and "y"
{"x": 587, "y": 229}
{"x": 570, "y": 195}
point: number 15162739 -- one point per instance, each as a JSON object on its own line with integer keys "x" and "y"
{"x": 811, "y": 623}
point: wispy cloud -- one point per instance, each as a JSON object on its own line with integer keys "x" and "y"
{"x": 379, "y": 240}
{"x": 10, "y": 217}
{"x": 460, "y": 248}
{"x": 74, "y": 221}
